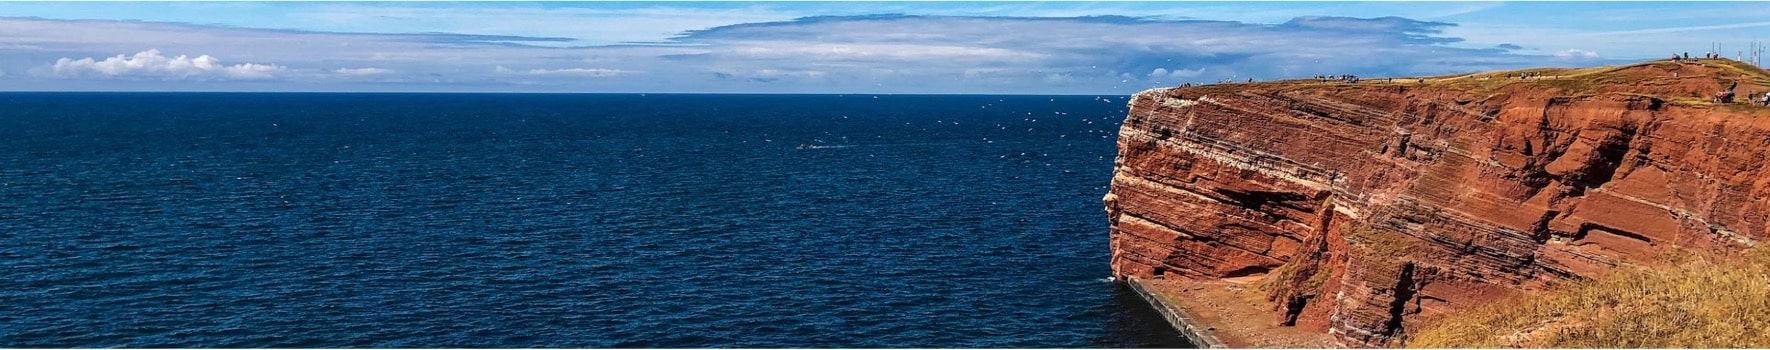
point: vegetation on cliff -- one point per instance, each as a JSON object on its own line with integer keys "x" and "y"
{"x": 1700, "y": 302}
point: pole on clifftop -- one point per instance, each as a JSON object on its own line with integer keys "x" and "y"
{"x": 1758, "y": 53}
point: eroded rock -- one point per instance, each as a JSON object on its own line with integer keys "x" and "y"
{"x": 1372, "y": 207}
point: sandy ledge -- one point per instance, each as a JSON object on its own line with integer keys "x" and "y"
{"x": 1227, "y": 313}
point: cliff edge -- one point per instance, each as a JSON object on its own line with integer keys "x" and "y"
{"x": 1364, "y": 209}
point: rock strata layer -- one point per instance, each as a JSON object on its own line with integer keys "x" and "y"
{"x": 1367, "y": 208}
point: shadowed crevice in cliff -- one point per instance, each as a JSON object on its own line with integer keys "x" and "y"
{"x": 1586, "y": 229}
{"x": 1297, "y": 282}
{"x": 1404, "y": 293}
{"x": 1540, "y": 231}
{"x": 1293, "y": 308}
{"x": 1261, "y": 199}
{"x": 1548, "y": 145}
{"x": 1601, "y": 167}
{"x": 1256, "y": 270}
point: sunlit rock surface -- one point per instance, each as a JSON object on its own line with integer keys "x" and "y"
{"x": 1369, "y": 207}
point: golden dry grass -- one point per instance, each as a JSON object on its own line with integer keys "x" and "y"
{"x": 1578, "y": 81}
{"x": 1697, "y": 303}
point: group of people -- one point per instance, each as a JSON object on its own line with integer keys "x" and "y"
{"x": 1322, "y": 78}
{"x": 1525, "y": 75}
{"x": 1726, "y": 96}
{"x": 1763, "y": 101}
{"x": 1346, "y": 78}
{"x": 1709, "y": 55}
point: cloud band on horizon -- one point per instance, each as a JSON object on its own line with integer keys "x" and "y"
{"x": 875, "y": 53}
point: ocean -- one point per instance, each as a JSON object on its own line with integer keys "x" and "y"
{"x": 305, "y": 220}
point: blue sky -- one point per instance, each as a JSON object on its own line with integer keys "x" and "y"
{"x": 822, "y": 47}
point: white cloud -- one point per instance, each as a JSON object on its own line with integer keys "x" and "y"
{"x": 585, "y": 26}
{"x": 887, "y": 53}
{"x": 1576, "y": 53}
{"x": 599, "y": 24}
{"x": 575, "y": 72}
{"x": 362, "y": 71}
{"x": 151, "y": 64}
{"x": 770, "y": 75}
{"x": 987, "y": 72}
{"x": 1159, "y": 73}
{"x": 1680, "y": 29}
{"x": 803, "y": 50}
{"x": 776, "y": 73}
{"x": 1079, "y": 53}
{"x": 585, "y": 72}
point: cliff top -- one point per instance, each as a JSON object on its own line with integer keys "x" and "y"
{"x": 1683, "y": 82}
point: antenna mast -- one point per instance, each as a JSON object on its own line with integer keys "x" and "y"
{"x": 1758, "y": 53}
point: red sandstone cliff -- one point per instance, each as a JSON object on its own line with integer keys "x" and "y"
{"x": 1372, "y": 207}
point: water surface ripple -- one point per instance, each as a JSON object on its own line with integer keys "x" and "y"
{"x": 490, "y": 220}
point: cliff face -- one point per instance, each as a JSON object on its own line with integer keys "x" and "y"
{"x": 1368, "y": 208}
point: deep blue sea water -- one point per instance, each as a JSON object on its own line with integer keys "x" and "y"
{"x": 536, "y": 220}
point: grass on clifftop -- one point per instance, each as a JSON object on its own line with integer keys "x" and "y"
{"x": 1697, "y": 303}
{"x": 1577, "y": 81}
